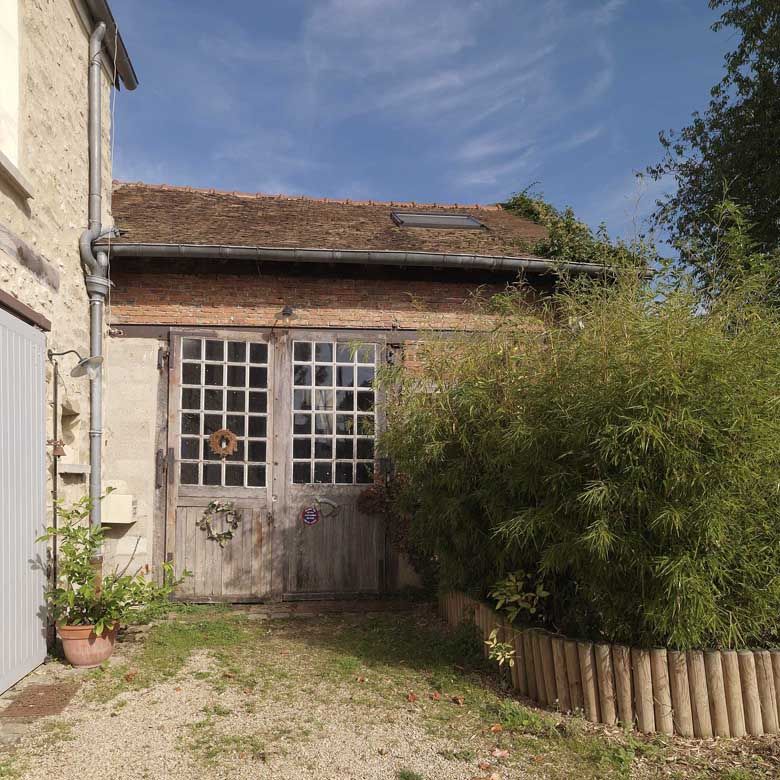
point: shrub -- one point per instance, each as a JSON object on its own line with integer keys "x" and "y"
{"x": 620, "y": 445}
{"x": 80, "y": 596}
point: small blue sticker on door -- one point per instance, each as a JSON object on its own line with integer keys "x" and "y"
{"x": 310, "y": 515}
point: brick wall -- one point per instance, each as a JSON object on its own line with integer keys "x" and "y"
{"x": 327, "y": 302}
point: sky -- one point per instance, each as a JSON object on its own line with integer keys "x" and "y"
{"x": 443, "y": 101}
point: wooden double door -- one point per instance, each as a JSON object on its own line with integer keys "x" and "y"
{"x": 271, "y": 441}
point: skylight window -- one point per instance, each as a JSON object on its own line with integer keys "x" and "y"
{"x": 440, "y": 221}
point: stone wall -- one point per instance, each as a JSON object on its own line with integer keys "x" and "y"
{"x": 39, "y": 258}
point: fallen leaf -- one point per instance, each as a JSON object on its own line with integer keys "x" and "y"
{"x": 436, "y": 696}
{"x": 500, "y": 753}
{"x": 459, "y": 700}
{"x": 496, "y": 728}
{"x": 177, "y": 690}
{"x": 242, "y": 755}
{"x": 131, "y": 675}
{"x": 361, "y": 679}
{"x": 411, "y": 696}
{"x": 484, "y": 765}
{"x": 228, "y": 675}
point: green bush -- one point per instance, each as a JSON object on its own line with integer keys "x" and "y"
{"x": 620, "y": 445}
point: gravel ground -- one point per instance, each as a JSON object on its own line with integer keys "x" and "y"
{"x": 220, "y": 695}
{"x": 148, "y": 738}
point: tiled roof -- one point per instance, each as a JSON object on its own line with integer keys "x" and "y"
{"x": 163, "y": 214}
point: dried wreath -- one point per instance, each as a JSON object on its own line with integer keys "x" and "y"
{"x": 230, "y": 516}
{"x": 223, "y": 443}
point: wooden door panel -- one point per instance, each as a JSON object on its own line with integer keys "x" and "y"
{"x": 213, "y": 387}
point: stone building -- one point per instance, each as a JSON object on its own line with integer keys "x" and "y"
{"x": 44, "y": 185}
{"x": 245, "y": 333}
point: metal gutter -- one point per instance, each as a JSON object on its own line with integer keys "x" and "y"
{"x": 101, "y": 12}
{"x": 495, "y": 263}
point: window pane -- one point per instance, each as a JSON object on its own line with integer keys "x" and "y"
{"x": 256, "y": 451}
{"x": 301, "y": 448}
{"x": 301, "y": 423}
{"x": 365, "y": 449}
{"x": 258, "y": 377}
{"x": 302, "y": 375}
{"x": 239, "y": 453}
{"x": 257, "y": 427}
{"x": 345, "y": 400}
{"x": 345, "y": 449}
{"x": 191, "y": 350}
{"x": 365, "y": 354}
{"x": 344, "y": 473}
{"x": 323, "y": 399}
{"x": 323, "y": 353}
{"x": 208, "y": 453}
{"x": 323, "y": 423}
{"x": 190, "y": 398}
{"x": 258, "y": 402}
{"x": 364, "y": 473}
{"x": 344, "y": 353}
{"x": 255, "y": 476}
{"x": 234, "y": 475}
{"x": 302, "y": 399}
{"x": 365, "y": 424}
{"x": 215, "y": 350}
{"x": 302, "y": 351}
{"x": 258, "y": 353}
{"x": 190, "y": 373}
{"x": 188, "y": 474}
{"x": 236, "y": 352}
{"x": 213, "y": 375}
{"x": 323, "y": 472}
{"x": 345, "y": 376}
{"x": 190, "y": 423}
{"x": 213, "y": 399}
{"x": 323, "y": 448}
{"x": 212, "y": 473}
{"x": 345, "y": 424}
{"x": 236, "y": 376}
{"x": 301, "y": 473}
{"x": 190, "y": 449}
{"x": 211, "y": 423}
{"x": 323, "y": 376}
{"x": 236, "y": 401}
{"x": 365, "y": 376}
{"x": 365, "y": 401}
{"x": 236, "y": 423}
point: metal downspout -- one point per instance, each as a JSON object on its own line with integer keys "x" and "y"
{"x": 95, "y": 270}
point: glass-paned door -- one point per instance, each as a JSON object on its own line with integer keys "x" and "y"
{"x": 219, "y": 520}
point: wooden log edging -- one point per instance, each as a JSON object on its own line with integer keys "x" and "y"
{"x": 721, "y": 693}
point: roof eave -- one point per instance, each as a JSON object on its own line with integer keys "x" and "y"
{"x": 493, "y": 263}
{"x": 115, "y": 46}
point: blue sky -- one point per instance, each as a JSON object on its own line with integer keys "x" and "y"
{"x": 427, "y": 100}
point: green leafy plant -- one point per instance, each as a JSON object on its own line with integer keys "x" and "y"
{"x": 80, "y": 596}
{"x": 501, "y": 652}
{"x": 512, "y": 595}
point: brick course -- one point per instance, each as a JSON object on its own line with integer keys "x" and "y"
{"x": 256, "y": 301}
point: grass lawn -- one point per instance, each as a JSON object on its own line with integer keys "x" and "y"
{"x": 213, "y": 693}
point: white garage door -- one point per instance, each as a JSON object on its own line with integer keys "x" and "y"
{"x": 22, "y": 499}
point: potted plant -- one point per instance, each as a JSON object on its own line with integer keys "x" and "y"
{"x": 87, "y": 608}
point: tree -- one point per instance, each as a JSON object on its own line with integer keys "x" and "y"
{"x": 733, "y": 149}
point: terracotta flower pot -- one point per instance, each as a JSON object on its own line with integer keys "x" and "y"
{"x": 82, "y": 647}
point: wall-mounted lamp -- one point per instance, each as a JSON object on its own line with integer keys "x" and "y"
{"x": 87, "y": 366}
{"x": 287, "y": 311}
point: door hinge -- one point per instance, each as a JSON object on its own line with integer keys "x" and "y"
{"x": 162, "y": 358}
{"x": 160, "y": 469}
